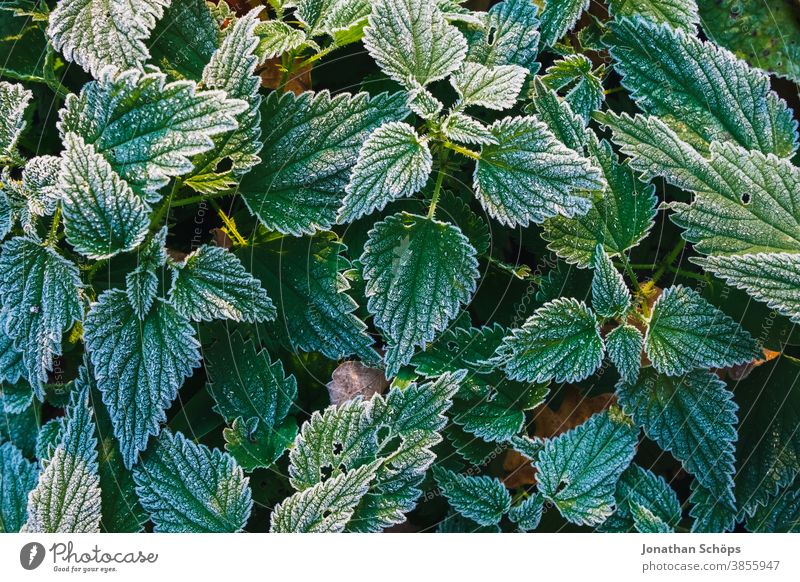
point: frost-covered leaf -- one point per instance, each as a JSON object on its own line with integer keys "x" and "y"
{"x": 411, "y": 41}
{"x": 345, "y": 20}
{"x": 610, "y": 294}
{"x": 460, "y": 348}
{"x": 393, "y": 163}
{"x": 16, "y": 398}
{"x": 102, "y": 215}
{"x": 711, "y": 513}
{"x": 687, "y": 332}
{"x": 139, "y": 364}
{"x": 6, "y": 215}
{"x": 67, "y": 496}
{"x": 781, "y": 514}
{"x": 148, "y": 128}
{"x": 677, "y": 13}
{"x": 583, "y": 89}
{"x": 510, "y": 36}
{"x": 97, "y": 33}
{"x": 40, "y": 184}
{"x": 423, "y": 103}
{"x": 17, "y": 478}
{"x": 311, "y": 144}
{"x": 141, "y": 284}
{"x": 624, "y": 347}
{"x": 12, "y": 367}
{"x": 14, "y": 99}
{"x": 693, "y": 417}
{"x": 327, "y": 506}
{"x": 276, "y": 38}
{"x": 39, "y": 291}
{"x": 530, "y": 176}
{"x": 578, "y": 470}
{"x": 482, "y": 499}
{"x": 254, "y": 396}
{"x": 559, "y": 17}
{"x": 418, "y": 271}
{"x": 466, "y": 129}
{"x": 642, "y": 495}
{"x": 699, "y": 89}
{"x": 765, "y": 34}
{"x": 560, "y": 341}
{"x": 528, "y": 513}
{"x": 187, "y": 487}
{"x": 212, "y": 283}
{"x": 315, "y": 313}
{"x": 184, "y": 40}
{"x": 491, "y": 87}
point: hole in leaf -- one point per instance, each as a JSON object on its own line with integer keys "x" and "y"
{"x": 745, "y": 198}
{"x": 326, "y": 472}
{"x": 491, "y": 36}
{"x": 224, "y": 165}
{"x": 337, "y": 448}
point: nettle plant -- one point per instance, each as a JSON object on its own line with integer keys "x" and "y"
{"x": 208, "y": 212}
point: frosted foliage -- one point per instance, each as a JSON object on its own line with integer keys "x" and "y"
{"x": 423, "y": 103}
{"x": 559, "y": 17}
{"x": 584, "y": 90}
{"x": 96, "y": 33}
{"x": 711, "y": 514}
{"x": 640, "y": 489}
{"x": 67, "y": 496}
{"x": 530, "y": 176}
{"x": 515, "y": 38}
{"x": 187, "y": 487}
{"x": 624, "y": 345}
{"x": 18, "y": 477}
{"x": 147, "y": 128}
{"x": 482, "y": 499}
{"x": 212, "y": 283}
{"x": 687, "y": 332}
{"x": 677, "y": 13}
{"x": 466, "y": 129}
{"x": 411, "y": 41}
{"x": 311, "y": 144}
{"x": 102, "y": 215}
{"x": 344, "y": 14}
{"x": 493, "y": 88}
{"x": 528, "y": 513}
{"x": 714, "y": 95}
{"x": 14, "y": 99}
{"x": 394, "y": 162}
{"x": 40, "y": 184}
{"x": 141, "y": 287}
{"x": 691, "y": 416}
{"x": 12, "y": 367}
{"x": 139, "y": 365}
{"x": 560, "y": 341}
{"x": 40, "y": 301}
{"x": 418, "y": 272}
{"x": 276, "y": 38}
{"x": 610, "y": 295}
{"x": 578, "y": 470}
{"x": 312, "y": 12}
{"x": 559, "y": 117}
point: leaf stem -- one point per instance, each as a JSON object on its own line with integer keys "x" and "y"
{"x": 52, "y": 236}
{"x": 665, "y": 265}
{"x": 230, "y": 225}
{"x": 630, "y": 272}
{"x": 462, "y": 150}
{"x": 166, "y": 204}
{"x": 437, "y": 189}
{"x": 201, "y": 198}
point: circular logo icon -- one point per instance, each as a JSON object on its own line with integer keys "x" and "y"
{"x": 31, "y": 555}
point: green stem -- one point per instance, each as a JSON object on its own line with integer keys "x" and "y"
{"x": 166, "y": 204}
{"x": 631, "y": 273}
{"x": 439, "y": 181}
{"x": 666, "y": 264}
{"x": 201, "y": 198}
{"x": 321, "y": 54}
{"x": 52, "y": 236}
{"x": 462, "y": 150}
{"x": 230, "y": 225}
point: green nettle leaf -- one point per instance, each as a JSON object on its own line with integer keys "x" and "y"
{"x": 139, "y": 364}
{"x": 346, "y": 19}
{"x": 418, "y": 272}
{"x": 97, "y": 33}
{"x": 732, "y": 188}
{"x": 559, "y": 17}
{"x": 394, "y": 163}
{"x": 530, "y": 176}
{"x": 18, "y": 477}
{"x": 509, "y": 36}
{"x": 411, "y": 41}
{"x": 494, "y": 88}
{"x": 482, "y": 499}
{"x": 781, "y": 515}
{"x": 682, "y": 14}
{"x": 50, "y": 434}
{"x": 16, "y": 398}
{"x": 610, "y": 294}
{"x": 687, "y": 332}
{"x": 767, "y": 35}
{"x": 67, "y": 496}
{"x": 14, "y": 99}
{"x": 693, "y": 417}
{"x": 141, "y": 284}
{"x": 460, "y": 127}
{"x": 102, "y": 215}
{"x": 361, "y": 463}
{"x": 644, "y": 501}
{"x": 578, "y": 470}
{"x": 423, "y": 103}
{"x": 315, "y": 313}
{"x": 327, "y": 506}
{"x": 12, "y": 366}
{"x": 702, "y": 91}
{"x": 584, "y": 90}
{"x": 40, "y": 295}
{"x": 147, "y": 128}
{"x": 560, "y": 341}
{"x": 460, "y": 348}
{"x": 40, "y": 184}
{"x": 254, "y": 396}
{"x": 711, "y": 514}
{"x": 186, "y": 487}
{"x": 528, "y": 513}
{"x": 212, "y": 283}
{"x": 624, "y": 347}
{"x": 311, "y": 13}
{"x": 311, "y": 144}
{"x": 6, "y": 215}
{"x": 183, "y": 40}
{"x": 276, "y": 38}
